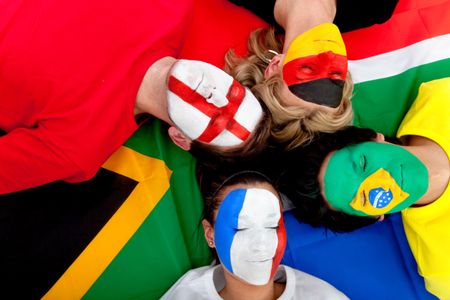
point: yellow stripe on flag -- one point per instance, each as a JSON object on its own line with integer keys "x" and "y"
{"x": 153, "y": 178}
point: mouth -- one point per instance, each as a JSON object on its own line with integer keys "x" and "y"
{"x": 259, "y": 260}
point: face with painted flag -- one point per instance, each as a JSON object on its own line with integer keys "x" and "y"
{"x": 249, "y": 234}
{"x": 371, "y": 179}
{"x": 208, "y": 105}
{"x": 315, "y": 66}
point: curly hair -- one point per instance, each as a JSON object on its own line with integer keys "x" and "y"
{"x": 293, "y": 125}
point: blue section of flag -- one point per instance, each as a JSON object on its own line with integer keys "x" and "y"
{"x": 380, "y": 198}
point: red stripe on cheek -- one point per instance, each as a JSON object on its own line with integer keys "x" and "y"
{"x": 281, "y": 234}
{"x": 309, "y": 68}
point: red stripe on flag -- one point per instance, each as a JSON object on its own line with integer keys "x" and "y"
{"x": 423, "y": 20}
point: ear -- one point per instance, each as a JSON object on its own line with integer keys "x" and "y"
{"x": 274, "y": 66}
{"x": 209, "y": 233}
{"x": 179, "y": 138}
{"x": 380, "y": 137}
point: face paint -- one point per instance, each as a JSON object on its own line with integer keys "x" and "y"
{"x": 206, "y": 104}
{"x": 249, "y": 234}
{"x": 315, "y": 66}
{"x": 373, "y": 179}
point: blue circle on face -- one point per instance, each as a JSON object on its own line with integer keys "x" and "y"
{"x": 380, "y": 198}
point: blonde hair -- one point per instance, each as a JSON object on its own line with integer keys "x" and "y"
{"x": 292, "y": 125}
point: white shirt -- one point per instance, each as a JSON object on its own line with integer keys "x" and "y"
{"x": 206, "y": 282}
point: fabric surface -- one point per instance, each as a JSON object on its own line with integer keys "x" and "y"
{"x": 132, "y": 230}
{"x": 206, "y": 282}
{"x": 68, "y": 91}
{"x": 426, "y": 227}
{"x": 412, "y": 47}
{"x": 148, "y": 190}
{"x": 374, "y": 262}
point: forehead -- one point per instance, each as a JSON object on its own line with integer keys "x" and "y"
{"x": 260, "y": 203}
{"x": 190, "y": 69}
{"x": 261, "y": 195}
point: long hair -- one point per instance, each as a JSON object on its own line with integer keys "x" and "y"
{"x": 293, "y": 125}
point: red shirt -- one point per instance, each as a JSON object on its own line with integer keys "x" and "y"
{"x": 69, "y": 75}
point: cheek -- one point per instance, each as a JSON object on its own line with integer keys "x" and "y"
{"x": 240, "y": 246}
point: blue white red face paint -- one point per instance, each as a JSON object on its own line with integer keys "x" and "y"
{"x": 208, "y": 105}
{"x": 249, "y": 234}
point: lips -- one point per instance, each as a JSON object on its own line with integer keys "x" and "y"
{"x": 262, "y": 260}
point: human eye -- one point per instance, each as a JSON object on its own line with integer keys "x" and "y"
{"x": 306, "y": 69}
{"x": 241, "y": 229}
{"x": 363, "y": 162}
{"x": 336, "y": 75}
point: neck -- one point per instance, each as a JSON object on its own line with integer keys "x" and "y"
{"x": 298, "y": 16}
{"x": 238, "y": 289}
{"x": 152, "y": 94}
{"x": 437, "y": 163}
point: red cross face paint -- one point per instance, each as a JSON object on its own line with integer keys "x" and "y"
{"x": 315, "y": 66}
{"x": 208, "y": 105}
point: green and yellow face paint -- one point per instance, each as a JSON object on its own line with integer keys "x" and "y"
{"x": 315, "y": 66}
{"x": 371, "y": 179}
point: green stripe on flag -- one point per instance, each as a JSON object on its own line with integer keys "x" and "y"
{"x": 381, "y": 104}
{"x": 170, "y": 241}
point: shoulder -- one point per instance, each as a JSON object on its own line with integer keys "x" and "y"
{"x": 311, "y": 287}
{"x": 195, "y": 284}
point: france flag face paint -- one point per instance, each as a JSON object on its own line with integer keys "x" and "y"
{"x": 250, "y": 236}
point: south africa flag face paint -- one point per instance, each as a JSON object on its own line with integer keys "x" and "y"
{"x": 249, "y": 234}
{"x": 373, "y": 179}
{"x": 315, "y": 66}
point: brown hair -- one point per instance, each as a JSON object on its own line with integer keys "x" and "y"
{"x": 253, "y": 146}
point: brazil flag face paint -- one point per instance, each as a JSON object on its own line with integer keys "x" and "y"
{"x": 315, "y": 66}
{"x": 373, "y": 179}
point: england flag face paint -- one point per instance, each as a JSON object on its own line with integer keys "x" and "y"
{"x": 208, "y": 105}
{"x": 250, "y": 236}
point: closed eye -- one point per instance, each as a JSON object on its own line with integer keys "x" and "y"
{"x": 306, "y": 69}
{"x": 336, "y": 75}
{"x": 362, "y": 162}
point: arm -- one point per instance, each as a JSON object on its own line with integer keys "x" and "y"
{"x": 297, "y": 16}
{"x": 29, "y": 159}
